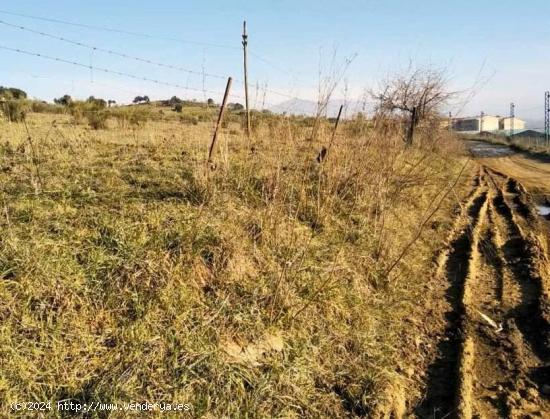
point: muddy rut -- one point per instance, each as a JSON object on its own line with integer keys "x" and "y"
{"x": 494, "y": 360}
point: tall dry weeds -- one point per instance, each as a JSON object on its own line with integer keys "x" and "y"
{"x": 259, "y": 290}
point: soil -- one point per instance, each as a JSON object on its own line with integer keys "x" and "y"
{"x": 491, "y": 358}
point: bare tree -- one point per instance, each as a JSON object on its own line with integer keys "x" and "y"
{"x": 416, "y": 94}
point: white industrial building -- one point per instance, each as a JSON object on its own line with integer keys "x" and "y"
{"x": 486, "y": 123}
{"x": 506, "y": 124}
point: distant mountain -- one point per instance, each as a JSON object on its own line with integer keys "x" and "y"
{"x": 534, "y": 123}
{"x": 295, "y": 107}
{"x": 309, "y": 107}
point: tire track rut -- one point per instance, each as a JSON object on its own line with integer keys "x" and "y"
{"x": 494, "y": 360}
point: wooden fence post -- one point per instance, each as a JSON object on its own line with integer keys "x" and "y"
{"x": 245, "y": 43}
{"x": 321, "y": 157}
{"x": 336, "y": 126}
{"x": 220, "y": 118}
{"x": 410, "y": 134}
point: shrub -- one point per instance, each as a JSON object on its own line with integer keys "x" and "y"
{"x": 65, "y": 100}
{"x": 178, "y": 107}
{"x": 77, "y": 112}
{"x": 15, "y": 110}
{"x": 44, "y": 107}
{"x": 174, "y": 100}
{"x": 12, "y": 93}
{"x": 97, "y": 119}
{"x": 97, "y": 103}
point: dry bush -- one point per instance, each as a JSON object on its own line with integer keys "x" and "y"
{"x": 44, "y": 107}
{"x": 15, "y": 110}
{"x": 77, "y": 112}
{"x": 97, "y": 119}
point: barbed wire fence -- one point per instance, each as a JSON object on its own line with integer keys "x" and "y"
{"x": 262, "y": 90}
{"x": 289, "y": 103}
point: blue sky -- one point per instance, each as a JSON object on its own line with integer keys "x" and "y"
{"x": 505, "y": 44}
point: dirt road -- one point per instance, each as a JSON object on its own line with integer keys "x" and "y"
{"x": 494, "y": 359}
{"x": 532, "y": 172}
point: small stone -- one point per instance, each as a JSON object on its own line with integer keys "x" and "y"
{"x": 494, "y": 397}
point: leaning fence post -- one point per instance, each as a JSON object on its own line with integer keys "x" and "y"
{"x": 220, "y": 118}
{"x": 336, "y": 126}
{"x": 321, "y": 157}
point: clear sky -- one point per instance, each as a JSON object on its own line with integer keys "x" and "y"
{"x": 503, "y": 45}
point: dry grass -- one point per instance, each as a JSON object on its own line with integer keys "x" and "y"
{"x": 129, "y": 272}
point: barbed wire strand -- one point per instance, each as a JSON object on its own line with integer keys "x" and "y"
{"x": 128, "y": 75}
{"x": 139, "y": 59}
{"x": 106, "y": 70}
{"x": 120, "y": 31}
{"x": 109, "y": 51}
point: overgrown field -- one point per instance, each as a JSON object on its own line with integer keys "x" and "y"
{"x": 269, "y": 286}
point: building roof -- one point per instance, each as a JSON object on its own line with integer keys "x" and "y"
{"x": 475, "y": 117}
{"x": 515, "y": 118}
{"x": 528, "y": 133}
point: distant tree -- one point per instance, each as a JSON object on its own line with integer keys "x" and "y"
{"x": 210, "y": 102}
{"x": 97, "y": 102}
{"x": 12, "y": 93}
{"x": 236, "y": 106}
{"x": 141, "y": 99}
{"x": 416, "y": 95}
{"x": 64, "y": 100}
{"x": 111, "y": 102}
{"x": 18, "y": 93}
{"x": 174, "y": 100}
